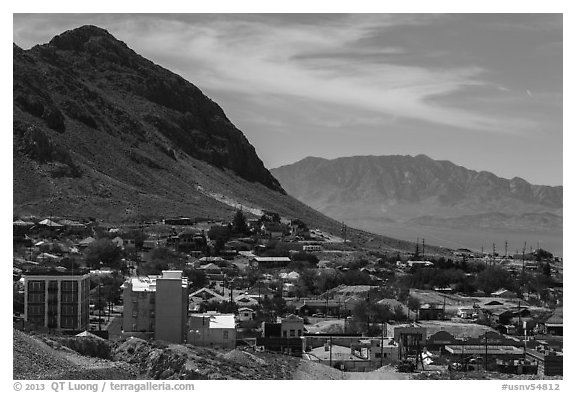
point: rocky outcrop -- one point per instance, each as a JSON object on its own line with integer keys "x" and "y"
{"x": 90, "y": 99}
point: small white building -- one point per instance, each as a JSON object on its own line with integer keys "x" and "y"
{"x": 212, "y": 330}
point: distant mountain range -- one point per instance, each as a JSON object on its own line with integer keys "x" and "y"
{"x": 101, "y": 131}
{"x": 381, "y": 193}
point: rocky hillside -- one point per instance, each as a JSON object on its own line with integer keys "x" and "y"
{"x": 35, "y": 359}
{"x": 97, "y": 125}
{"x": 86, "y": 81}
{"x": 399, "y": 195}
{"x": 44, "y": 357}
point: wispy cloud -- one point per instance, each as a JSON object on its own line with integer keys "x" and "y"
{"x": 316, "y": 62}
{"x": 335, "y": 61}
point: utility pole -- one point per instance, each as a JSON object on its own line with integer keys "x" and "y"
{"x": 423, "y": 247}
{"x": 99, "y": 308}
{"x": 381, "y": 345}
{"x": 417, "y": 252}
{"x": 523, "y": 262}
{"x": 485, "y": 352}
{"x": 493, "y": 253}
{"x": 330, "y": 351}
{"x": 506, "y": 249}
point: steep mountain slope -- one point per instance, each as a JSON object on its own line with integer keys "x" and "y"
{"x": 87, "y": 79}
{"x": 101, "y": 131}
{"x": 399, "y": 195}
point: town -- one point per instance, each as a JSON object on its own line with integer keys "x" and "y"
{"x": 266, "y": 283}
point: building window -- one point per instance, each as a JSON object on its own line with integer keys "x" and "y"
{"x": 299, "y": 332}
{"x": 225, "y": 334}
{"x": 284, "y": 333}
{"x": 292, "y": 333}
{"x": 36, "y": 286}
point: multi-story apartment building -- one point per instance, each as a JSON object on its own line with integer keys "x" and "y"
{"x": 157, "y": 305}
{"x": 57, "y": 300}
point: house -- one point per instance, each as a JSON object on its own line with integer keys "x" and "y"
{"x": 49, "y": 223}
{"x": 548, "y": 362}
{"x": 438, "y": 340}
{"x": 260, "y": 292}
{"x": 418, "y": 264}
{"x": 269, "y": 262}
{"x": 245, "y": 300}
{"x": 299, "y": 228}
{"x": 205, "y": 295}
{"x": 191, "y": 241}
{"x": 212, "y": 330}
{"x": 309, "y": 307}
{"x": 466, "y": 312}
{"x": 504, "y": 293}
{"x": 493, "y": 303}
{"x": 178, "y": 221}
{"x": 274, "y": 230}
{"x": 350, "y": 353}
{"x": 73, "y": 226}
{"x": 246, "y": 314}
{"x": 431, "y": 311}
{"x": 205, "y": 260}
{"x": 211, "y": 268}
{"x": 291, "y": 326}
{"x": 21, "y": 227}
{"x": 554, "y": 325}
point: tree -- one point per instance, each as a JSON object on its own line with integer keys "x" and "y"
{"x": 413, "y": 303}
{"x": 138, "y": 235}
{"x": 541, "y": 255}
{"x": 239, "y": 225}
{"x": 165, "y": 256}
{"x": 219, "y": 235}
{"x": 399, "y": 314}
{"x": 547, "y": 269}
{"x": 105, "y": 252}
{"x": 196, "y": 278}
{"x": 493, "y": 278}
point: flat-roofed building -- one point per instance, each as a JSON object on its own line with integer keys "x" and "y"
{"x": 157, "y": 305}
{"x": 171, "y": 306}
{"x": 212, "y": 330}
{"x": 57, "y": 300}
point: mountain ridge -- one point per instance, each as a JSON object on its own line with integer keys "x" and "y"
{"x": 550, "y": 196}
{"x": 87, "y": 77}
{"x": 416, "y": 196}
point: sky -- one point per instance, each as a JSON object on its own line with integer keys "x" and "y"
{"x": 481, "y": 90}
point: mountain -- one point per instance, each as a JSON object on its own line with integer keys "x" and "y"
{"x": 100, "y": 131}
{"x": 405, "y": 196}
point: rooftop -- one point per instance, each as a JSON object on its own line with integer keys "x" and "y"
{"x": 217, "y": 321}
